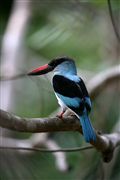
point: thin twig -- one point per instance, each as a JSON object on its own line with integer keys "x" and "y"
{"x": 48, "y": 151}
{"x": 113, "y": 21}
{"x": 9, "y": 78}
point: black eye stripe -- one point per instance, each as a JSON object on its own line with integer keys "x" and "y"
{"x": 58, "y": 61}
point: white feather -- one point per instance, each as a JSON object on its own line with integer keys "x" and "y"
{"x": 60, "y": 102}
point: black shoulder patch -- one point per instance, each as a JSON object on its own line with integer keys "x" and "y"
{"x": 83, "y": 88}
{"x": 59, "y": 60}
{"x": 66, "y": 87}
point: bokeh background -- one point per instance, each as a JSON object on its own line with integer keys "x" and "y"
{"x": 31, "y": 34}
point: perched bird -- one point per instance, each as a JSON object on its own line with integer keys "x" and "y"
{"x": 70, "y": 91}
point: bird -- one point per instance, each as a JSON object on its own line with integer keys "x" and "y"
{"x": 70, "y": 91}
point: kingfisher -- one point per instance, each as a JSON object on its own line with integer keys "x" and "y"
{"x": 70, "y": 91}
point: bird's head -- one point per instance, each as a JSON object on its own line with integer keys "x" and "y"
{"x": 61, "y": 64}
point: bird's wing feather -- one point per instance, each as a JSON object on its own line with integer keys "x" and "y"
{"x": 66, "y": 87}
{"x": 83, "y": 88}
{"x": 70, "y": 92}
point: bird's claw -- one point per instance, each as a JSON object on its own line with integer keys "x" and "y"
{"x": 60, "y": 115}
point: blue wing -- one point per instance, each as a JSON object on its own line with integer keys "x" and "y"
{"x": 68, "y": 101}
{"x": 73, "y": 94}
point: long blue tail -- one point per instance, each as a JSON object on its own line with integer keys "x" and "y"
{"x": 87, "y": 128}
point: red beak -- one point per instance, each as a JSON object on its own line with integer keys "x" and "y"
{"x": 40, "y": 70}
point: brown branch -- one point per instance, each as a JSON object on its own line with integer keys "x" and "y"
{"x": 8, "y": 120}
{"x": 105, "y": 143}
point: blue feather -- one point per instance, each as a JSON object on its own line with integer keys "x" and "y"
{"x": 88, "y": 101}
{"x": 75, "y": 102}
{"x": 66, "y": 67}
{"x": 87, "y": 128}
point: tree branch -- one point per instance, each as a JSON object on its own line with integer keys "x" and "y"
{"x": 10, "y": 48}
{"x": 33, "y": 125}
{"x": 104, "y": 143}
{"x": 113, "y": 20}
{"x": 102, "y": 80}
{"x": 46, "y": 150}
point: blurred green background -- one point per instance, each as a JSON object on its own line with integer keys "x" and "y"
{"x": 83, "y": 31}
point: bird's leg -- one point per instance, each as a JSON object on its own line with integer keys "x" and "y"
{"x": 61, "y": 114}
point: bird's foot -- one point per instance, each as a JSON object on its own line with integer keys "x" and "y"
{"x": 61, "y": 115}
